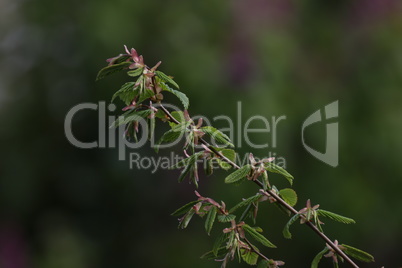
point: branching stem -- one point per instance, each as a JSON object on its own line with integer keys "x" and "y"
{"x": 256, "y": 251}
{"x": 272, "y": 194}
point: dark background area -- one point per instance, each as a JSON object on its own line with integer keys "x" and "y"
{"x": 62, "y": 206}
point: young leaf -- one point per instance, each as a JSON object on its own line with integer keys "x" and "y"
{"x": 249, "y": 256}
{"x": 229, "y": 154}
{"x": 263, "y": 264}
{"x": 108, "y": 70}
{"x": 130, "y": 132}
{"x": 209, "y": 167}
{"x": 194, "y": 174}
{"x": 318, "y": 257}
{"x": 245, "y": 202}
{"x": 130, "y": 116}
{"x": 335, "y": 217}
{"x": 277, "y": 169}
{"x": 187, "y": 169}
{"x": 286, "y": 231}
{"x": 217, "y": 135}
{"x": 257, "y": 236}
{"x": 289, "y": 195}
{"x": 187, "y": 218}
{"x": 145, "y": 94}
{"x": 190, "y": 167}
{"x": 218, "y": 242}
{"x": 118, "y": 59}
{"x": 126, "y": 93}
{"x": 238, "y": 174}
{"x": 179, "y": 116}
{"x": 129, "y": 91}
{"x": 135, "y": 72}
{"x": 265, "y": 181}
{"x": 358, "y": 254}
{"x": 167, "y": 79}
{"x": 224, "y": 165}
{"x": 184, "y": 209}
{"x": 170, "y": 135}
{"x": 210, "y": 255}
{"x": 226, "y": 218}
{"x": 182, "y": 97}
{"x": 209, "y": 222}
{"x": 247, "y": 212}
{"x": 186, "y": 161}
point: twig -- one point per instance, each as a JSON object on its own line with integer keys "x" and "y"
{"x": 256, "y": 251}
{"x": 274, "y": 195}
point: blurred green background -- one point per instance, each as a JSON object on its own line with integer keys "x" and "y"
{"x": 67, "y": 207}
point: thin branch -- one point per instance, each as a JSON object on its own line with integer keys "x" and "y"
{"x": 256, "y": 251}
{"x": 273, "y": 194}
{"x": 313, "y": 227}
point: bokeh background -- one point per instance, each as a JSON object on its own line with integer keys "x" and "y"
{"x": 66, "y": 207}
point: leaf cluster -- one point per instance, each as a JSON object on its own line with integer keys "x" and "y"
{"x": 210, "y": 146}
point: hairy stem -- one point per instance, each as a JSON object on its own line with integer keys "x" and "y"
{"x": 272, "y": 194}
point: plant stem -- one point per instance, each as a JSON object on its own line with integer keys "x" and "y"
{"x": 256, "y": 251}
{"x": 274, "y": 195}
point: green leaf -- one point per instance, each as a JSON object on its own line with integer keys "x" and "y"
{"x": 161, "y": 115}
{"x": 209, "y": 167}
{"x": 229, "y": 154}
{"x": 108, "y": 70}
{"x": 277, "y": 169}
{"x": 286, "y": 231}
{"x": 358, "y": 254}
{"x": 335, "y": 217}
{"x": 265, "y": 181}
{"x": 245, "y": 202}
{"x": 218, "y": 242}
{"x": 179, "y": 116}
{"x": 184, "y": 173}
{"x": 130, "y": 132}
{"x": 135, "y": 72}
{"x": 226, "y": 218}
{"x": 186, "y": 161}
{"x": 210, "y": 255}
{"x": 167, "y": 79}
{"x": 238, "y": 174}
{"x": 118, "y": 59}
{"x": 187, "y": 218}
{"x": 247, "y": 212}
{"x": 180, "y": 127}
{"x": 126, "y": 93}
{"x": 289, "y": 195}
{"x": 181, "y": 96}
{"x": 190, "y": 165}
{"x": 318, "y": 257}
{"x": 249, "y": 256}
{"x": 171, "y": 135}
{"x": 130, "y": 116}
{"x": 145, "y": 94}
{"x": 209, "y": 222}
{"x": 257, "y": 236}
{"x": 224, "y": 165}
{"x": 184, "y": 209}
{"x": 217, "y": 135}
{"x": 263, "y": 264}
